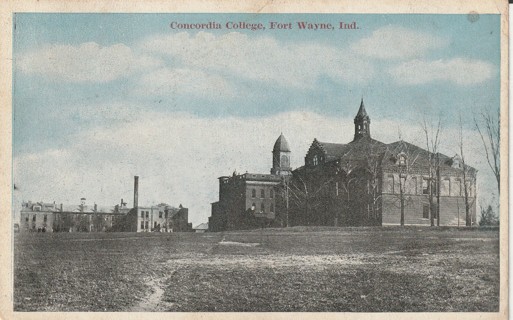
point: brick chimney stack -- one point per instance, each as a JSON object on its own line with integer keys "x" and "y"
{"x": 136, "y": 191}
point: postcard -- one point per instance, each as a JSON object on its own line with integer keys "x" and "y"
{"x": 223, "y": 160}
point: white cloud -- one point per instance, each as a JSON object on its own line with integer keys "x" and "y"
{"x": 87, "y": 62}
{"x": 179, "y": 157}
{"x": 395, "y": 42}
{"x": 172, "y": 82}
{"x": 264, "y": 59}
{"x": 460, "y": 71}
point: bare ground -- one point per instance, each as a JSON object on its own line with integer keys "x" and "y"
{"x": 296, "y": 269}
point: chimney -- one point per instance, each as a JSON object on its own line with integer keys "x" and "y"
{"x": 95, "y": 207}
{"x": 61, "y": 207}
{"x": 121, "y": 202}
{"x": 136, "y": 191}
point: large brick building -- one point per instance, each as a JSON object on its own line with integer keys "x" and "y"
{"x": 362, "y": 183}
{"x": 367, "y": 182}
{"x": 252, "y": 200}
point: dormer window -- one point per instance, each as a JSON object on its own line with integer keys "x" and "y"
{"x": 401, "y": 159}
{"x": 456, "y": 162}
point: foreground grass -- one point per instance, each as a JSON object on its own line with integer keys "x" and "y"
{"x": 297, "y": 269}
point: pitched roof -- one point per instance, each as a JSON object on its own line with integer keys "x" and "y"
{"x": 357, "y": 149}
{"x": 281, "y": 144}
{"x": 202, "y": 226}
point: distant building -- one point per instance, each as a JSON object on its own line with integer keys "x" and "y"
{"x": 251, "y": 200}
{"x": 159, "y": 218}
{"x": 49, "y": 217}
{"x": 201, "y": 228}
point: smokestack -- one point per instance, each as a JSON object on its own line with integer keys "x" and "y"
{"x": 136, "y": 191}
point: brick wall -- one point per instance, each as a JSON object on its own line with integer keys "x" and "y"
{"x": 450, "y": 209}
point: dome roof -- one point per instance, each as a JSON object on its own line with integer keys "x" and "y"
{"x": 281, "y": 144}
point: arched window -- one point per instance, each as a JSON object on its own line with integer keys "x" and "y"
{"x": 284, "y": 161}
{"x": 390, "y": 184}
{"x": 315, "y": 160}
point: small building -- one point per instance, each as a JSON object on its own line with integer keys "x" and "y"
{"x": 201, "y": 228}
{"x": 159, "y": 218}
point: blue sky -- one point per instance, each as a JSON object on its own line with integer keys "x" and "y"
{"x": 97, "y": 96}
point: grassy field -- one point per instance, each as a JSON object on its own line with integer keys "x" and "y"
{"x": 296, "y": 269}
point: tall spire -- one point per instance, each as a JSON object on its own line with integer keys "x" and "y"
{"x": 361, "y": 123}
{"x": 362, "y": 113}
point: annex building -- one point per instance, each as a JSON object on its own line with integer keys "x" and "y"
{"x": 50, "y": 217}
{"x": 252, "y": 200}
{"x": 361, "y": 183}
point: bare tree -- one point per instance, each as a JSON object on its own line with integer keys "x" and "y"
{"x": 432, "y": 135}
{"x": 489, "y": 130}
{"x": 405, "y": 159}
{"x": 304, "y": 190}
{"x": 373, "y": 164}
{"x": 468, "y": 180}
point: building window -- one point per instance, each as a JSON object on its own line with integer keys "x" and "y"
{"x": 145, "y": 224}
{"x": 34, "y": 218}
{"x": 425, "y": 186}
{"x": 271, "y": 193}
{"x": 26, "y": 219}
{"x": 147, "y": 214}
{"x": 155, "y": 225}
{"x": 142, "y": 214}
{"x": 390, "y": 184}
{"x": 262, "y": 193}
{"x": 142, "y": 224}
{"x": 271, "y": 209}
{"x": 285, "y": 161}
{"x": 160, "y": 214}
{"x": 412, "y": 185}
{"x": 402, "y": 159}
{"x": 45, "y": 218}
{"x": 457, "y": 188}
{"x": 445, "y": 187}
{"x": 315, "y": 160}
{"x": 253, "y": 206}
{"x": 253, "y": 193}
{"x": 262, "y": 207}
{"x": 425, "y": 211}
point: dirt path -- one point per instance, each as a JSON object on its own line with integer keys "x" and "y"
{"x": 153, "y": 301}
